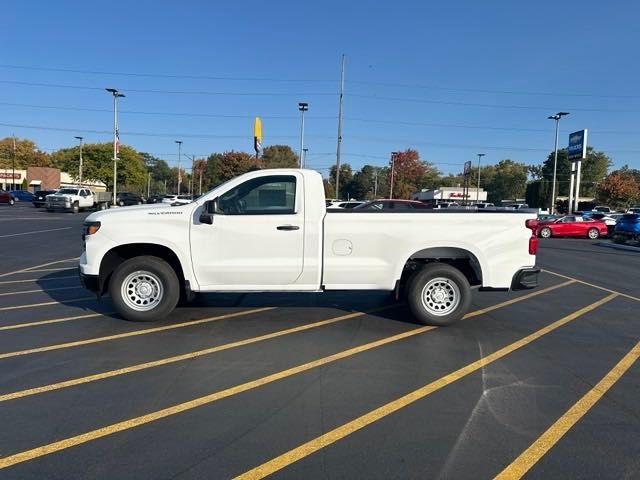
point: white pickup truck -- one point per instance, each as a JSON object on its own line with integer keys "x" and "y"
{"x": 76, "y": 199}
{"x": 269, "y": 230}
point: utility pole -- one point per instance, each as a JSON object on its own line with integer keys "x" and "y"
{"x": 375, "y": 183}
{"x": 13, "y": 164}
{"x": 200, "y": 188}
{"x": 339, "y": 126}
{"x": 116, "y": 138}
{"x": 80, "y": 162}
{"x": 557, "y": 118}
{"x": 179, "y": 142}
{"x": 148, "y": 185}
{"x": 480, "y": 155}
{"x": 303, "y": 107}
{"x": 393, "y": 165}
{"x": 165, "y": 186}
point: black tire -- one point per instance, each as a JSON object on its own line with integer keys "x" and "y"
{"x": 121, "y": 203}
{"x": 453, "y": 281}
{"x": 547, "y": 232}
{"x": 593, "y": 234}
{"x": 12, "y": 202}
{"x": 619, "y": 239}
{"x": 162, "y": 271}
{"x": 50, "y": 210}
{"x": 75, "y": 208}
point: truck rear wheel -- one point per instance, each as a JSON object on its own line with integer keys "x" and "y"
{"x": 144, "y": 289}
{"x": 439, "y": 294}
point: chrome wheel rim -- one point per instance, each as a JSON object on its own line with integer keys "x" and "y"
{"x": 545, "y": 233}
{"x": 440, "y": 296}
{"x": 142, "y": 291}
{"x": 593, "y": 233}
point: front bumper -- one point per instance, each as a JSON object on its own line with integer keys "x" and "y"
{"x": 525, "y": 278}
{"x": 90, "y": 282}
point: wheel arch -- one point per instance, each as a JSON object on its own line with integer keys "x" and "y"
{"x": 118, "y": 254}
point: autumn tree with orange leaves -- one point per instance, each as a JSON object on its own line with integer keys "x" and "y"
{"x": 620, "y": 188}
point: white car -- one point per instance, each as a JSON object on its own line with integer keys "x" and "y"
{"x": 270, "y": 231}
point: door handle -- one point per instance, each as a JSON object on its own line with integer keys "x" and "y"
{"x": 288, "y": 227}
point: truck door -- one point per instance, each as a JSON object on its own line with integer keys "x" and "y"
{"x": 256, "y": 238}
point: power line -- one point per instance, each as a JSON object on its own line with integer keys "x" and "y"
{"x": 168, "y": 92}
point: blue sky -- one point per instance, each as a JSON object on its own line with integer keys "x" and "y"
{"x": 450, "y": 79}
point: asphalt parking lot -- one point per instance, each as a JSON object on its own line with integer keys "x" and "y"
{"x": 538, "y": 384}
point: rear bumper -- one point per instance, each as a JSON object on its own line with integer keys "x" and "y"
{"x": 525, "y": 279}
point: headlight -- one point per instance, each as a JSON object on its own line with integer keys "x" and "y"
{"x": 89, "y": 228}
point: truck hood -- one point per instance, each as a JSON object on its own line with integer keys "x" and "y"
{"x": 140, "y": 211}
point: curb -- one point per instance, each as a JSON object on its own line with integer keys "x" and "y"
{"x": 616, "y": 246}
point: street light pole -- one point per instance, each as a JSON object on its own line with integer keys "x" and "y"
{"x": 557, "y": 118}
{"x": 116, "y": 139}
{"x": 179, "y": 142}
{"x": 303, "y": 107}
{"x": 393, "y": 166}
{"x": 304, "y": 157}
{"x": 480, "y": 155}
{"x": 13, "y": 165}
{"x": 148, "y": 185}
{"x": 80, "y": 162}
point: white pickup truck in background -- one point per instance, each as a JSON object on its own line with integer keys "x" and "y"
{"x": 269, "y": 230}
{"x": 76, "y": 199}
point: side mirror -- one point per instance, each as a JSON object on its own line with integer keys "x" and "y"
{"x": 208, "y": 211}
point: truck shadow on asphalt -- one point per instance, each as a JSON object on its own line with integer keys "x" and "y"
{"x": 70, "y": 293}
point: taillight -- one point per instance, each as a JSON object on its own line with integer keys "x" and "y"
{"x": 533, "y": 244}
{"x": 532, "y": 224}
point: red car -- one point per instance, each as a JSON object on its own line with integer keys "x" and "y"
{"x": 391, "y": 205}
{"x": 6, "y": 197}
{"x": 572, "y": 226}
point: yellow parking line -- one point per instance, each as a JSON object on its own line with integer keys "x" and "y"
{"x": 53, "y": 320}
{"x": 52, "y": 269}
{"x": 527, "y": 459}
{"x": 185, "y": 356}
{"x": 89, "y": 341}
{"x": 38, "y": 266}
{"x": 44, "y": 304}
{"x": 191, "y": 404}
{"x": 207, "y": 399}
{"x": 46, "y": 279}
{"x": 40, "y": 290}
{"x": 599, "y": 287}
{"x": 198, "y": 353}
{"x": 348, "y": 428}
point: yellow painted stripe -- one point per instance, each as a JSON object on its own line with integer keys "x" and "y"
{"x": 46, "y": 279}
{"x": 348, "y": 428}
{"x": 135, "y": 333}
{"x": 191, "y": 404}
{"x": 53, "y": 320}
{"x": 38, "y": 266}
{"x": 185, "y": 356}
{"x": 219, "y": 348}
{"x": 39, "y": 290}
{"x": 527, "y": 459}
{"x": 44, "y": 304}
{"x": 599, "y": 287}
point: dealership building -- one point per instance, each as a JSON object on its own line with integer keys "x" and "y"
{"x": 449, "y": 194}
{"x": 41, "y": 178}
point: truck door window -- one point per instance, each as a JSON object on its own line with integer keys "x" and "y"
{"x": 275, "y": 195}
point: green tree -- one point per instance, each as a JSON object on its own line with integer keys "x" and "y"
{"x": 98, "y": 164}
{"x": 224, "y": 166}
{"x": 27, "y": 154}
{"x": 329, "y": 190}
{"x": 506, "y": 180}
{"x": 362, "y": 184}
{"x": 594, "y": 169}
{"x": 279, "y": 156}
{"x": 346, "y": 175}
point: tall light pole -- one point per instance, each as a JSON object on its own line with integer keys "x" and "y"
{"x": 557, "y": 118}
{"x": 13, "y": 165}
{"x": 80, "y": 162}
{"x": 148, "y": 185}
{"x": 116, "y": 138}
{"x": 303, "y": 107}
{"x": 480, "y": 155}
{"x": 179, "y": 142}
{"x": 304, "y": 157}
{"x": 393, "y": 167}
{"x": 338, "y": 147}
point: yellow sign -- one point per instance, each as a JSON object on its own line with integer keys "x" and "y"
{"x": 257, "y": 129}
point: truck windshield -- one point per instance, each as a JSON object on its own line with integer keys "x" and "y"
{"x": 68, "y": 191}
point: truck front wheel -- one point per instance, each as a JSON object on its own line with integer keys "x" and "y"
{"x": 439, "y": 294}
{"x": 75, "y": 208}
{"x": 144, "y": 289}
